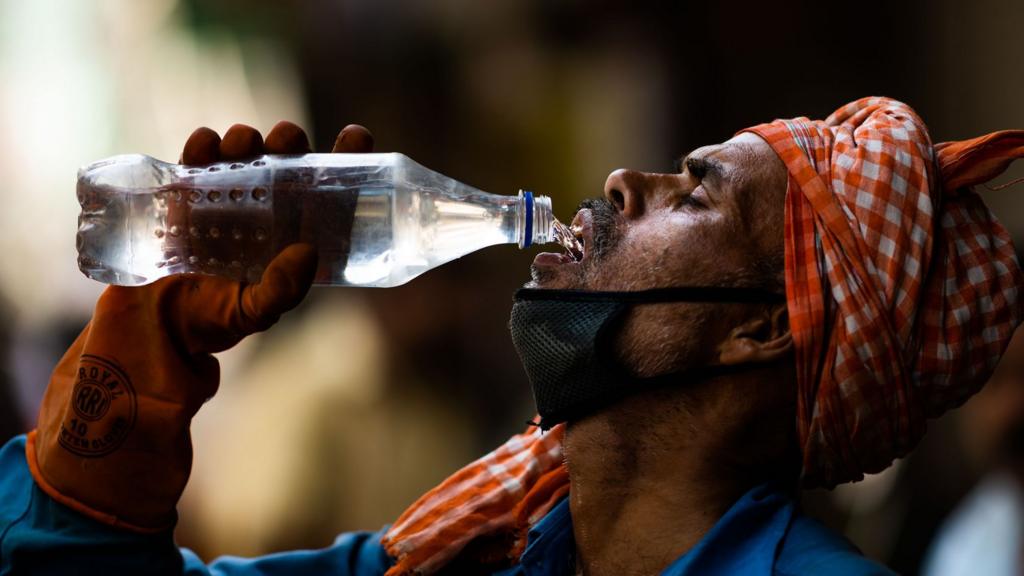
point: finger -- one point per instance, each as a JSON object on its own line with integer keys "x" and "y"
{"x": 286, "y": 138}
{"x": 353, "y": 138}
{"x": 202, "y": 147}
{"x": 220, "y": 311}
{"x": 284, "y": 284}
{"x": 241, "y": 141}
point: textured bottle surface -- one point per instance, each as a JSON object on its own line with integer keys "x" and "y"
{"x": 377, "y": 219}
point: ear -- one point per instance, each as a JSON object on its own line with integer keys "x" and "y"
{"x": 762, "y": 338}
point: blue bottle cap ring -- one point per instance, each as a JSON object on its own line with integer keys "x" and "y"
{"x": 528, "y": 213}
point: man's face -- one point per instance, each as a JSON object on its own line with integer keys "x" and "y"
{"x": 717, "y": 222}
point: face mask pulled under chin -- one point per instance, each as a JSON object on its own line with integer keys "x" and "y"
{"x": 565, "y": 339}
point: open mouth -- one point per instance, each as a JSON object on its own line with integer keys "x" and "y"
{"x": 570, "y": 239}
{"x": 575, "y": 240}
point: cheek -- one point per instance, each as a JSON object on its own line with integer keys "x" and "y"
{"x": 644, "y": 257}
{"x": 663, "y": 338}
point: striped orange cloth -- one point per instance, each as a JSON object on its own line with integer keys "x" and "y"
{"x": 498, "y": 497}
{"x": 902, "y": 291}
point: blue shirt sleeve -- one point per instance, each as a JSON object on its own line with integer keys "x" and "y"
{"x": 41, "y": 536}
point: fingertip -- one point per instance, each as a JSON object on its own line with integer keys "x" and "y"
{"x": 241, "y": 141}
{"x": 353, "y": 139}
{"x": 202, "y": 147}
{"x": 286, "y": 138}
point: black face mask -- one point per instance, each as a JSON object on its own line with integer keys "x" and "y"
{"x": 565, "y": 339}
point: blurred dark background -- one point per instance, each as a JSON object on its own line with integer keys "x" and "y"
{"x": 363, "y": 399}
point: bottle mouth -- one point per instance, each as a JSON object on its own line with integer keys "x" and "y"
{"x": 536, "y": 219}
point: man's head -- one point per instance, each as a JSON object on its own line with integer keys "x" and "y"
{"x": 714, "y": 223}
{"x": 901, "y": 288}
{"x": 717, "y": 221}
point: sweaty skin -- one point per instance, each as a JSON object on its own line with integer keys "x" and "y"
{"x": 652, "y": 474}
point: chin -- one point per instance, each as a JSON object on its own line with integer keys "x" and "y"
{"x": 550, "y": 278}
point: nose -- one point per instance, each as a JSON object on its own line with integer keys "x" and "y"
{"x": 628, "y": 190}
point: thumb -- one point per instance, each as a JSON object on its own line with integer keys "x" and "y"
{"x": 209, "y": 314}
{"x": 284, "y": 284}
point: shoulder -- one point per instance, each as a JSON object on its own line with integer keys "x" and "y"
{"x": 811, "y": 548}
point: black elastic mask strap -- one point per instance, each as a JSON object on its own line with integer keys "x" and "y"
{"x": 724, "y": 294}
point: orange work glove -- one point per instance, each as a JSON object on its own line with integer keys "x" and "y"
{"x": 113, "y": 440}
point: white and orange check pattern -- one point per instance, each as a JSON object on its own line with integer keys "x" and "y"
{"x": 498, "y": 497}
{"x": 902, "y": 293}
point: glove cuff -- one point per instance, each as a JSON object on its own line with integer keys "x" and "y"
{"x": 78, "y": 505}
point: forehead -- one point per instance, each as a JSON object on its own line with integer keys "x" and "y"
{"x": 745, "y": 151}
{"x": 747, "y": 166}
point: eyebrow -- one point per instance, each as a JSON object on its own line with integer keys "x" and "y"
{"x": 710, "y": 167}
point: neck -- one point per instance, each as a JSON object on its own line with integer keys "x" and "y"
{"x": 652, "y": 474}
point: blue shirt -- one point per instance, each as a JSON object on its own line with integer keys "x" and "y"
{"x": 762, "y": 534}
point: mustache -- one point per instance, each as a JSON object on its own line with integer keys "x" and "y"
{"x": 604, "y": 221}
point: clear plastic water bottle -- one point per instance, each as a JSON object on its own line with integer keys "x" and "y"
{"x": 377, "y": 219}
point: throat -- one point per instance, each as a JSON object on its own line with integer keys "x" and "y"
{"x": 638, "y": 503}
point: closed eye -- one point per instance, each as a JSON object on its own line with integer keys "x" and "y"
{"x": 692, "y": 201}
{"x": 698, "y": 168}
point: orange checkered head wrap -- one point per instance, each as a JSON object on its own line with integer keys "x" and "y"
{"x": 902, "y": 293}
{"x": 902, "y": 288}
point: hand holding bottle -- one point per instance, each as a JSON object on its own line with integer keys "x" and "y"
{"x": 112, "y": 440}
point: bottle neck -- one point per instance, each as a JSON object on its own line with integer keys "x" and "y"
{"x": 534, "y": 219}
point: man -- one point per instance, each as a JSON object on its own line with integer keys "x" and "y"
{"x": 839, "y": 274}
